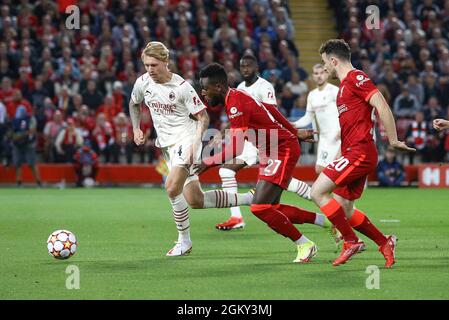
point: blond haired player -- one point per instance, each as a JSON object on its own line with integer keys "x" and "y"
{"x": 322, "y": 108}
{"x": 180, "y": 119}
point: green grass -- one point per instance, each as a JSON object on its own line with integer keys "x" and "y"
{"x": 124, "y": 234}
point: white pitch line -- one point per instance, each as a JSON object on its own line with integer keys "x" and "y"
{"x": 390, "y": 221}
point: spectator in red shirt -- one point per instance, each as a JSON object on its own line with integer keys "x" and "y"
{"x": 18, "y": 100}
{"x": 124, "y": 138}
{"x": 104, "y": 137}
{"x": 109, "y": 108}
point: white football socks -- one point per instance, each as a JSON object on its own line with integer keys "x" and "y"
{"x": 223, "y": 199}
{"x": 299, "y": 187}
{"x": 181, "y": 216}
{"x": 302, "y": 240}
{"x": 229, "y": 184}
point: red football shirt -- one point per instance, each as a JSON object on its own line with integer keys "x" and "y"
{"x": 257, "y": 119}
{"x": 355, "y": 113}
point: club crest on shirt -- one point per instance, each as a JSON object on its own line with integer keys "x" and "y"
{"x": 234, "y": 112}
{"x": 171, "y": 96}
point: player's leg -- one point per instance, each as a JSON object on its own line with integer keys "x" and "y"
{"x": 360, "y": 222}
{"x": 321, "y": 195}
{"x": 266, "y": 207}
{"x": 299, "y": 187}
{"x": 174, "y": 187}
{"x": 228, "y": 182}
{"x": 198, "y": 199}
{"x": 31, "y": 159}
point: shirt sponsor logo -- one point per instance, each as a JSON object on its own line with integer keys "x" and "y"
{"x": 162, "y": 108}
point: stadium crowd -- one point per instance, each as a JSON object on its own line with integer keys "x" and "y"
{"x": 75, "y": 84}
{"x": 408, "y": 58}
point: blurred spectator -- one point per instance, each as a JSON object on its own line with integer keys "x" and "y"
{"x": 18, "y": 100}
{"x": 297, "y": 86}
{"x": 417, "y": 136}
{"x": 124, "y": 138}
{"x": 91, "y": 96}
{"x": 299, "y": 109}
{"x": 51, "y": 131}
{"x": 85, "y": 162}
{"x": 109, "y": 108}
{"x": 3, "y": 128}
{"x": 287, "y": 100}
{"x": 120, "y": 98}
{"x": 432, "y": 110}
{"x": 24, "y": 143}
{"x": 104, "y": 139}
{"x": 406, "y": 105}
{"x": 390, "y": 172}
{"x": 67, "y": 142}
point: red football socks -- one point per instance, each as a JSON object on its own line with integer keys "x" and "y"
{"x": 296, "y": 215}
{"x": 360, "y": 222}
{"x": 276, "y": 220}
{"x": 335, "y": 213}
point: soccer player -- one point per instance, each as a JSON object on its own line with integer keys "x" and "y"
{"x": 248, "y": 116}
{"x": 180, "y": 119}
{"x": 357, "y": 100}
{"x": 262, "y": 90}
{"x": 440, "y": 124}
{"x": 322, "y": 108}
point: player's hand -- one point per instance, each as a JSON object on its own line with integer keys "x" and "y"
{"x": 440, "y": 124}
{"x": 199, "y": 168}
{"x": 306, "y": 135}
{"x": 139, "y": 139}
{"x": 401, "y": 146}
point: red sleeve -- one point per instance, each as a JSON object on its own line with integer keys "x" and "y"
{"x": 363, "y": 87}
{"x": 238, "y": 109}
{"x": 280, "y": 118}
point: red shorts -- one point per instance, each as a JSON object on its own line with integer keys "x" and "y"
{"x": 278, "y": 169}
{"x": 350, "y": 171}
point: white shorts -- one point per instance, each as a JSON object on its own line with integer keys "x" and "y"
{"x": 327, "y": 152}
{"x": 175, "y": 156}
{"x": 250, "y": 154}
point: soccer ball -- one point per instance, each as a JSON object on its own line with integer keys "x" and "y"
{"x": 62, "y": 244}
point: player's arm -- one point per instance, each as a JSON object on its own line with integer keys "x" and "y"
{"x": 134, "y": 113}
{"x": 440, "y": 124}
{"x": 378, "y": 101}
{"x": 306, "y": 119}
{"x": 229, "y": 151}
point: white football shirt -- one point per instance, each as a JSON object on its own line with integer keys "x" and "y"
{"x": 261, "y": 90}
{"x": 170, "y": 105}
{"x": 322, "y": 107}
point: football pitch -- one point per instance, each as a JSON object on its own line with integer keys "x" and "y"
{"x": 124, "y": 233}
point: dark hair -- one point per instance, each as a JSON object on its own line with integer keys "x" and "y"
{"x": 215, "y": 73}
{"x": 249, "y": 56}
{"x": 337, "y": 47}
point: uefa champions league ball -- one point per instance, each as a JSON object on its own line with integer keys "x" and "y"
{"x": 62, "y": 244}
